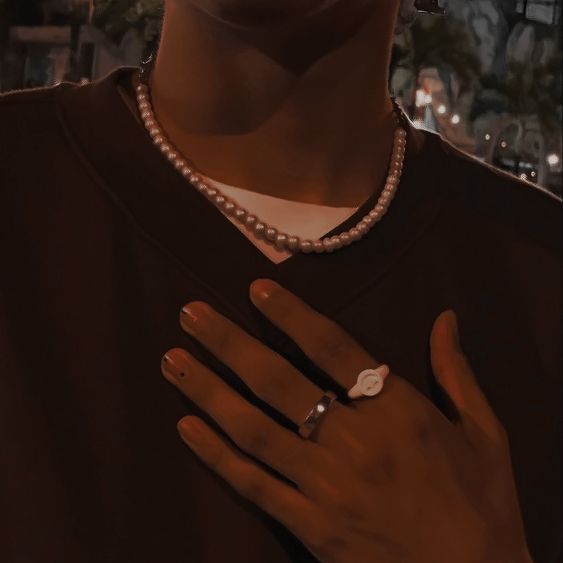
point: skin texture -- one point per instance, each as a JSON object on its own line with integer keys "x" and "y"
{"x": 425, "y": 490}
{"x": 285, "y": 98}
{"x": 290, "y": 98}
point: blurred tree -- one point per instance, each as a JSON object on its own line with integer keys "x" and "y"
{"x": 444, "y": 44}
{"x": 117, "y": 17}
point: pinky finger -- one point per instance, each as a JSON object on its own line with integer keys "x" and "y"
{"x": 287, "y": 505}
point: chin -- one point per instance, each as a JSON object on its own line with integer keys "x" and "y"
{"x": 262, "y": 13}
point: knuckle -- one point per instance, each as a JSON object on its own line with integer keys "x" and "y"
{"x": 252, "y": 439}
{"x": 331, "y": 343}
{"x": 329, "y": 545}
{"x": 275, "y": 385}
{"x": 250, "y": 487}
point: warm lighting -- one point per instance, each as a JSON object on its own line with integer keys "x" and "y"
{"x": 455, "y": 119}
{"x": 553, "y": 159}
{"x": 487, "y": 137}
{"x": 442, "y": 109}
{"x": 503, "y": 144}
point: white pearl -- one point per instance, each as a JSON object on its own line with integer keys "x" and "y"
{"x": 229, "y": 207}
{"x": 259, "y": 229}
{"x": 143, "y": 106}
{"x": 293, "y": 243}
{"x": 318, "y": 246}
{"x": 328, "y": 245}
{"x": 281, "y": 240}
{"x": 355, "y": 234}
{"x": 250, "y": 220}
{"x": 146, "y": 114}
{"x": 219, "y": 200}
{"x": 172, "y": 155}
{"x": 179, "y": 162}
{"x": 201, "y": 186}
{"x": 346, "y": 239}
{"x": 337, "y": 242}
{"x": 158, "y": 140}
{"x": 271, "y": 233}
{"x": 384, "y": 199}
{"x": 186, "y": 171}
{"x": 155, "y": 131}
{"x": 375, "y": 214}
{"x": 210, "y": 192}
{"x": 165, "y": 148}
{"x": 150, "y": 123}
{"x": 194, "y": 178}
{"x": 306, "y": 246}
{"x": 141, "y": 88}
{"x": 380, "y": 208}
{"x": 240, "y": 213}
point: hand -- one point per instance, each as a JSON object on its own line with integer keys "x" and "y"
{"x": 384, "y": 479}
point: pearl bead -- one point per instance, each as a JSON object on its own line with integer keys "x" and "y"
{"x": 337, "y": 242}
{"x": 259, "y": 229}
{"x": 271, "y": 233}
{"x": 355, "y": 234}
{"x": 318, "y": 246}
{"x": 346, "y": 239}
{"x": 306, "y": 246}
{"x": 293, "y": 243}
{"x": 229, "y": 207}
{"x": 250, "y": 220}
{"x": 328, "y": 245}
{"x": 281, "y": 240}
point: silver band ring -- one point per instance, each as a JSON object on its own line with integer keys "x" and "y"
{"x": 316, "y": 413}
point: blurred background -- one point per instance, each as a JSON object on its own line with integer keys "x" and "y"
{"x": 488, "y": 76}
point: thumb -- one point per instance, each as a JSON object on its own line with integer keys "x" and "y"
{"x": 454, "y": 374}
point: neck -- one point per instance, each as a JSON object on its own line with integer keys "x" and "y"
{"x": 298, "y": 111}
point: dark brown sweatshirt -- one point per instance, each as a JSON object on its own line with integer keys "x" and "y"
{"x": 101, "y": 243}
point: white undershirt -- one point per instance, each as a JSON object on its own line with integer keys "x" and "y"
{"x": 305, "y": 220}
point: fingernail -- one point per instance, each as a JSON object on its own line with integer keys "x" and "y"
{"x": 261, "y": 289}
{"x": 190, "y": 314}
{"x": 191, "y": 431}
{"x": 170, "y": 369}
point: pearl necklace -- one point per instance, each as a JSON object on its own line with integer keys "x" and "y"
{"x": 282, "y": 241}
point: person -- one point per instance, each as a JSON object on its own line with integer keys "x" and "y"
{"x": 253, "y": 217}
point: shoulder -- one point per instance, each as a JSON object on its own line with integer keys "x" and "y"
{"x": 482, "y": 196}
